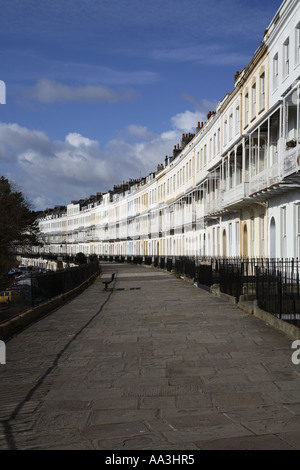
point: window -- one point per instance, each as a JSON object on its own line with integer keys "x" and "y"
{"x": 262, "y": 92}
{"x": 225, "y": 132}
{"x": 262, "y": 235}
{"x": 291, "y": 119}
{"x": 254, "y": 100}
{"x": 214, "y": 150}
{"x": 247, "y": 109}
{"x": 230, "y": 126}
{"x": 237, "y": 237}
{"x": 298, "y": 229}
{"x": 283, "y": 232}
{"x": 252, "y": 233}
{"x": 218, "y": 241}
{"x": 237, "y": 120}
{"x": 275, "y": 72}
{"x": 286, "y": 58}
{"x": 297, "y": 44}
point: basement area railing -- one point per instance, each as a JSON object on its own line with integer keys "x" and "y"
{"x": 274, "y": 283}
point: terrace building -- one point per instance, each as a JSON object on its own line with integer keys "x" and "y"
{"x": 232, "y": 188}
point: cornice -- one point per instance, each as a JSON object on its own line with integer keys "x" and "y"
{"x": 246, "y": 73}
{"x": 282, "y": 14}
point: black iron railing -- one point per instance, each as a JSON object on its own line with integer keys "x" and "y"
{"x": 33, "y": 288}
{"x": 278, "y": 289}
{"x": 47, "y": 286}
{"x": 274, "y": 283}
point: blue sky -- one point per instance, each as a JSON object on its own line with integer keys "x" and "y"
{"x": 99, "y": 91}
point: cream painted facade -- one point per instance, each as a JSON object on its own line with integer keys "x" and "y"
{"x": 230, "y": 189}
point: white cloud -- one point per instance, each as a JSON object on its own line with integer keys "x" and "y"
{"x": 14, "y": 138}
{"x": 18, "y": 136}
{"x": 51, "y": 172}
{"x": 73, "y": 171}
{"x": 50, "y": 91}
{"x": 143, "y": 157}
{"x": 141, "y": 132}
{"x": 203, "y": 54}
{"x": 187, "y": 121}
{"x": 169, "y": 135}
{"x": 77, "y": 140}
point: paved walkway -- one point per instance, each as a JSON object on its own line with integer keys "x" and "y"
{"x": 156, "y": 363}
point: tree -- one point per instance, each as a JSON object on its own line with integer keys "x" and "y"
{"x": 18, "y": 225}
{"x": 80, "y": 258}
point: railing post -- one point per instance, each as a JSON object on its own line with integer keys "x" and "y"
{"x": 297, "y": 282}
{"x": 280, "y": 293}
{"x": 31, "y": 290}
{"x": 256, "y": 283}
{"x": 242, "y": 279}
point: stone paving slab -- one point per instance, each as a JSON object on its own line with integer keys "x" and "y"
{"x": 153, "y": 363}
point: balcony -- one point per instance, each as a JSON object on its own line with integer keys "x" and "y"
{"x": 291, "y": 161}
{"x": 153, "y": 227}
{"x": 200, "y": 210}
{"x": 264, "y": 179}
{"x": 123, "y": 232}
{"x": 235, "y": 195}
{"x": 214, "y": 205}
{"x": 165, "y": 226}
{"x": 178, "y": 218}
{"x": 189, "y": 217}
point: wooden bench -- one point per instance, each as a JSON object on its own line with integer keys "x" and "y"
{"x": 108, "y": 281}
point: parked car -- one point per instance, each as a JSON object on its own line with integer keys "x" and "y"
{"x": 14, "y": 271}
{"x": 9, "y": 296}
{"x": 22, "y": 281}
{"x": 24, "y": 274}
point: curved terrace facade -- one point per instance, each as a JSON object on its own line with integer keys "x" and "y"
{"x": 231, "y": 188}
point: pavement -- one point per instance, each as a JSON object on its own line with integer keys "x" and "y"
{"x": 153, "y": 363}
